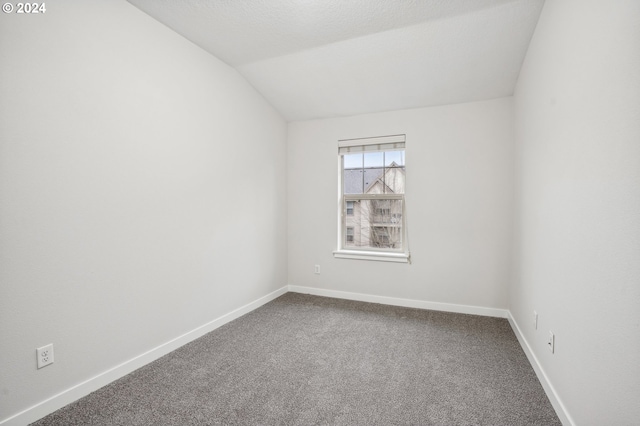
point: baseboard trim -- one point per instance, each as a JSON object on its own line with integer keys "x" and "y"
{"x": 76, "y": 392}
{"x": 73, "y": 393}
{"x": 555, "y": 400}
{"x": 407, "y": 303}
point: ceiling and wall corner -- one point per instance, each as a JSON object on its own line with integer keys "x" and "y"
{"x": 339, "y": 58}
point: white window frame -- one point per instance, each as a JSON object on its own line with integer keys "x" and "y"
{"x": 380, "y": 143}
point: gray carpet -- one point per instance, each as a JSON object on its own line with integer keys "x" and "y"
{"x": 308, "y": 360}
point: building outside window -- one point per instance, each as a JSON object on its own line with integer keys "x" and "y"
{"x": 349, "y": 234}
{"x": 350, "y": 208}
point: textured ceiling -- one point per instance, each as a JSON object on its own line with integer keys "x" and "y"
{"x": 324, "y": 58}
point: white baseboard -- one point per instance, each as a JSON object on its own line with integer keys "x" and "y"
{"x": 67, "y": 396}
{"x": 407, "y": 303}
{"x": 557, "y": 404}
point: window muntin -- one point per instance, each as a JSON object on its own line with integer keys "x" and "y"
{"x": 372, "y": 196}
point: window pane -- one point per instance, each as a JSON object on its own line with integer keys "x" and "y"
{"x": 353, "y": 161}
{"x": 391, "y": 157}
{"x": 373, "y": 159}
{"x": 375, "y": 224}
{"x": 353, "y": 181}
{"x": 352, "y": 176}
{"x": 373, "y": 180}
{"x": 394, "y": 178}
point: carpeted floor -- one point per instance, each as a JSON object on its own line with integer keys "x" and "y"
{"x": 307, "y": 360}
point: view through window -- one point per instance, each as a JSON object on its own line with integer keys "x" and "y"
{"x": 373, "y": 187}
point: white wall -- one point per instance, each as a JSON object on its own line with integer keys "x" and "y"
{"x": 459, "y": 196}
{"x": 120, "y": 227}
{"x": 577, "y": 110}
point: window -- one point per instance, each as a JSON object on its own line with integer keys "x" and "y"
{"x": 349, "y": 235}
{"x": 372, "y": 203}
{"x": 350, "y": 208}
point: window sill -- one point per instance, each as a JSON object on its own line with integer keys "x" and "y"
{"x": 372, "y": 255}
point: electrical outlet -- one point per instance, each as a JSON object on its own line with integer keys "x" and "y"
{"x": 45, "y": 355}
{"x": 535, "y": 320}
{"x": 317, "y": 269}
{"x": 551, "y": 343}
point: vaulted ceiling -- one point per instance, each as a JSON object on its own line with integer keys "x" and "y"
{"x": 327, "y": 58}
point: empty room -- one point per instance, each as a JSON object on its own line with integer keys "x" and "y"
{"x": 353, "y": 212}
